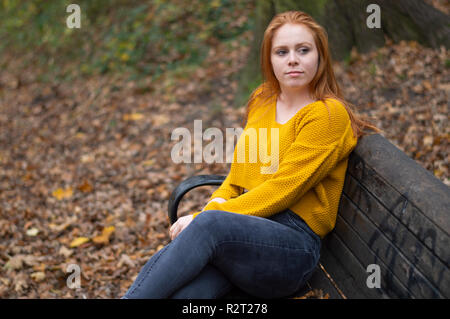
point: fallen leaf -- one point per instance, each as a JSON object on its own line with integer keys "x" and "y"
{"x": 444, "y": 86}
{"x": 63, "y": 193}
{"x": 40, "y": 267}
{"x": 78, "y": 241}
{"x": 148, "y": 162}
{"x": 15, "y": 263}
{"x": 65, "y": 251}
{"x": 428, "y": 140}
{"x": 87, "y": 158}
{"x": 32, "y": 231}
{"x": 63, "y": 226}
{"x": 26, "y": 177}
{"x": 124, "y": 57}
{"x": 20, "y": 283}
{"x": 5, "y": 281}
{"x": 104, "y": 237}
{"x": 125, "y": 259}
{"x": 160, "y": 119}
{"x": 427, "y": 85}
{"x": 85, "y": 187}
{"x": 314, "y": 294}
{"x": 38, "y": 276}
{"x": 133, "y": 117}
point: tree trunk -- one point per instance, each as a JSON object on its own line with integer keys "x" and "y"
{"x": 346, "y": 26}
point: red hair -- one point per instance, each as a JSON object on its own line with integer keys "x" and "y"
{"x": 322, "y": 86}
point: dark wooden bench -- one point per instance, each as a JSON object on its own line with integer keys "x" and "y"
{"x": 393, "y": 213}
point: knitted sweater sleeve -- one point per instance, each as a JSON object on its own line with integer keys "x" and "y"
{"x": 226, "y": 190}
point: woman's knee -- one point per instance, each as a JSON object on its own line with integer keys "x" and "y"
{"x": 216, "y": 225}
{"x": 213, "y": 219}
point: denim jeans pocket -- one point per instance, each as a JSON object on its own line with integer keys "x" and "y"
{"x": 300, "y": 224}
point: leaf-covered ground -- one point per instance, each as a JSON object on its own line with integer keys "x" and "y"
{"x": 86, "y": 169}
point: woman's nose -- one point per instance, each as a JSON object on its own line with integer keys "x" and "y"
{"x": 292, "y": 59}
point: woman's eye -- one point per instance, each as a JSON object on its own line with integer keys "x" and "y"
{"x": 302, "y": 50}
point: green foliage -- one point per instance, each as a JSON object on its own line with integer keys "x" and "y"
{"x": 372, "y": 69}
{"x": 143, "y": 38}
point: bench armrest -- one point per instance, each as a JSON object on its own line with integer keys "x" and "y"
{"x": 185, "y": 186}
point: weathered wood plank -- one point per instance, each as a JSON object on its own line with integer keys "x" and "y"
{"x": 320, "y": 281}
{"x": 399, "y": 275}
{"x": 418, "y": 199}
{"x": 435, "y": 238}
{"x": 346, "y": 270}
{"x": 392, "y": 236}
{"x": 409, "y": 178}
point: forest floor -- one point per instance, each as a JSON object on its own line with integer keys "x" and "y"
{"x": 86, "y": 169}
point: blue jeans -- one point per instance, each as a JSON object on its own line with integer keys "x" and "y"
{"x": 264, "y": 257}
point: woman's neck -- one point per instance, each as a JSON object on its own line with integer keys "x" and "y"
{"x": 293, "y": 98}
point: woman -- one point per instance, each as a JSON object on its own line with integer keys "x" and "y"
{"x": 266, "y": 241}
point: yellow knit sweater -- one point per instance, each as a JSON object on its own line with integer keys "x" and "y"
{"x": 313, "y": 150}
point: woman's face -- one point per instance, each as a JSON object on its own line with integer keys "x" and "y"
{"x": 294, "y": 49}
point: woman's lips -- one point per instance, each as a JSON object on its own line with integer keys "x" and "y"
{"x": 294, "y": 74}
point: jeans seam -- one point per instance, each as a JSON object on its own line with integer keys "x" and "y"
{"x": 309, "y": 271}
{"x": 261, "y": 244}
{"x": 309, "y": 231}
{"x": 138, "y": 285}
{"x": 292, "y": 220}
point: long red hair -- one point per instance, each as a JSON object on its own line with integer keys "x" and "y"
{"x": 322, "y": 86}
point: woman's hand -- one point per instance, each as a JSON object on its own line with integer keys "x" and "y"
{"x": 179, "y": 226}
{"x": 184, "y": 221}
